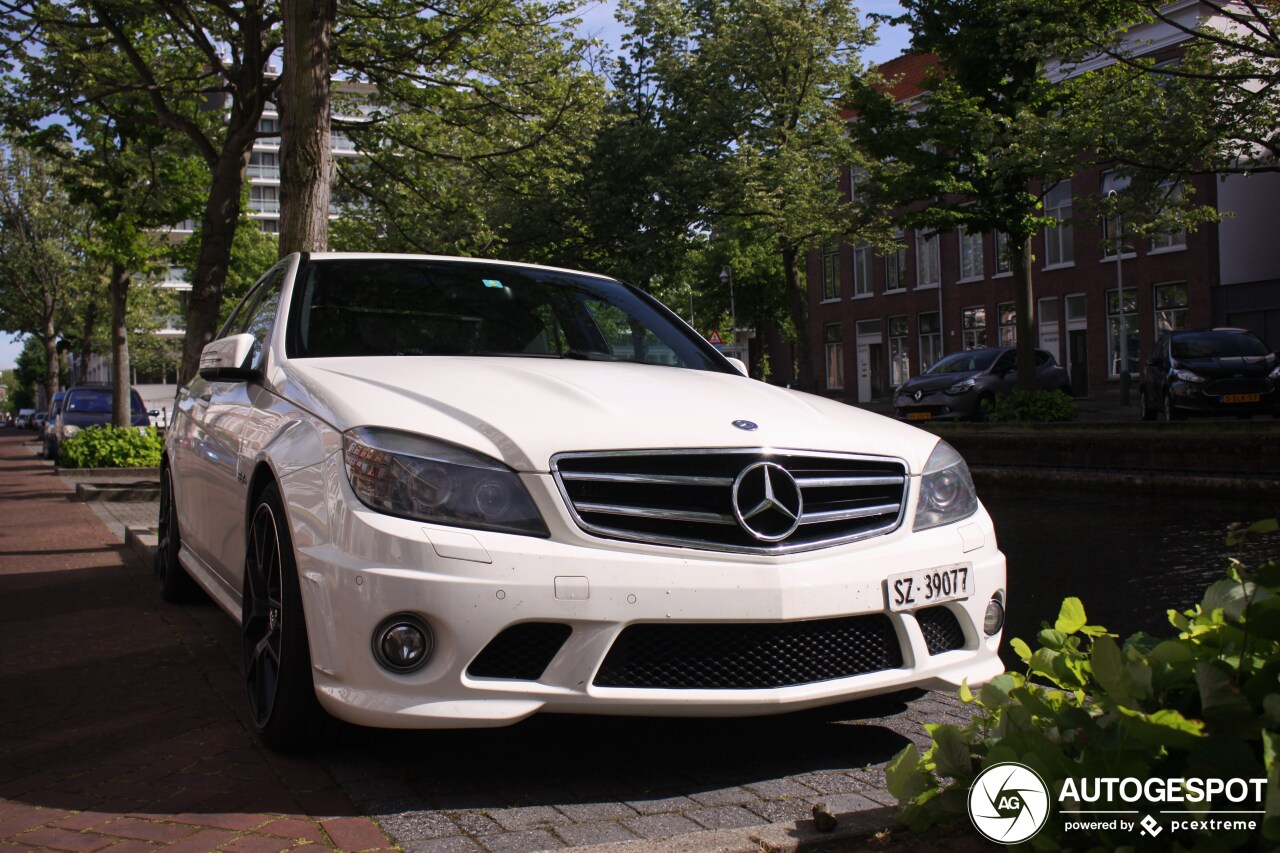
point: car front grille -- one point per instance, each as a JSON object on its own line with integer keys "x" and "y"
{"x": 750, "y": 656}
{"x": 1257, "y": 385}
{"x": 698, "y": 498}
{"x": 941, "y": 629}
{"x": 521, "y": 652}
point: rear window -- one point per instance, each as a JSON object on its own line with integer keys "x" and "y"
{"x": 1217, "y": 345}
{"x": 96, "y": 401}
{"x": 965, "y": 362}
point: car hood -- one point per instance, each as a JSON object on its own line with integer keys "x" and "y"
{"x": 934, "y": 382}
{"x": 525, "y": 410}
{"x": 1225, "y": 368}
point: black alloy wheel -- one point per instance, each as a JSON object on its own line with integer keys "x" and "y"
{"x": 176, "y": 586}
{"x": 277, "y": 659}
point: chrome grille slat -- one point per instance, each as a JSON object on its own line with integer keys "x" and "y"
{"x": 686, "y": 498}
{"x": 657, "y": 512}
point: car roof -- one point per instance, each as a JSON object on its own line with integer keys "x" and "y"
{"x": 391, "y": 256}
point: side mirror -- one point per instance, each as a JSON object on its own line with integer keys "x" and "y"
{"x": 739, "y": 364}
{"x": 226, "y": 359}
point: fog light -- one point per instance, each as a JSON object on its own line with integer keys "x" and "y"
{"x": 994, "y": 620}
{"x": 403, "y": 643}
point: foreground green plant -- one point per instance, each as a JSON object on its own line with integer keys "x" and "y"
{"x": 1205, "y": 704}
{"x": 1020, "y": 406}
{"x": 112, "y": 447}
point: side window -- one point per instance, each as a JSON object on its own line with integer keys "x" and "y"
{"x": 257, "y": 313}
{"x": 1008, "y": 361}
{"x": 1043, "y": 359}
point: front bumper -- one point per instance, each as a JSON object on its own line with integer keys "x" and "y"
{"x": 935, "y": 406}
{"x": 1193, "y": 398}
{"x": 470, "y": 586}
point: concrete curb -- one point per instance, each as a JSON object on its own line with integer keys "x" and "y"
{"x": 150, "y": 475}
{"x": 143, "y": 492}
{"x": 770, "y": 838}
{"x": 142, "y": 541}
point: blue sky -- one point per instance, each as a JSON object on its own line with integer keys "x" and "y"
{"x": 598, "y": 20}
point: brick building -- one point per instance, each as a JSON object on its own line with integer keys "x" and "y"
{"x": 876, "y": 320}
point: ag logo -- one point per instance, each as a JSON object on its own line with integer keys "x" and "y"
{"x": 1008, "y": 802}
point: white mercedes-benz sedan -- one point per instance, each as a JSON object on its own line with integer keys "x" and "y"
{"x": 440, "y": 492}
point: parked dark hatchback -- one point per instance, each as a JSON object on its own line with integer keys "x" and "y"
{"x": 86, "y": 406}
{"x": 957, "y": 386}
{"x": 1209, "y": 372}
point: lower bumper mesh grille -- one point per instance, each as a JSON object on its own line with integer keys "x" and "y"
{"x": 520, "y": 652}
{"x": 941, "y": 629}
{"x": 749, "y": 656}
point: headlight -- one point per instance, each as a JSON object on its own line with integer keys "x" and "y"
{"x": 962, "y": 386}
{"x": 1187, "y": 376}
{"x": 946, "y": 489}
{"x": 69, "y": 430}
{"x": 416, "y": 477}
{"x": 1274, "y": 375}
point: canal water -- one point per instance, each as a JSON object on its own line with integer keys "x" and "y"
{"x": 1129, "y": 555}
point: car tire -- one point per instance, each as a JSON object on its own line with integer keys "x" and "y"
{"x": 176, "y": 586}
{"x": 1170, "y": 412}
{"x": 277, "y": 659}
{"x": 1148, "y": 413}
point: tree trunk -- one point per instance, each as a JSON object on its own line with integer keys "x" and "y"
{"x": 49, "y": 340}
{"x": 306, "y": 156}
{"x": 118, "y": 295}
{"x": 221, "y": 214}
{"x": 798, "y": 301}
{"x": 1025, "y": 305}
{"x": 87, "y": 322}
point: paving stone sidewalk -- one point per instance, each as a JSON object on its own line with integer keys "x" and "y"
{"x": 121, "y": 727}
{"x": 551, "y": 782}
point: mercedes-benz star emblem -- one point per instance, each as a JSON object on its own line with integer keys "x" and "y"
{"x": 749, "y": 426}
{"x": 767, "y": 501}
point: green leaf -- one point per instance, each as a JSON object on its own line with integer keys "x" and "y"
{"x": 1071, "y": 617}
{"x": 1221, "y": 703}
{"x": 904, "y": 778}
{"x": 1108, "y": 670}
{"x": 1021, "y": 649}
{"x": 951, "y": 752}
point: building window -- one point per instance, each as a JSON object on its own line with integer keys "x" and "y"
{"x": 264, "y": 166}
{"x": 835, "y": 357}
{"x": 1173, "y": 240}
{"x": 899, "y": 358}
{"x": 970, "y": 254}
{"x": 830, "y": 273}
{"x": 264, "y": 199}
{"x": 269, "y": 127}
{"x": 862, "y": 270}
{"x": 1171, "y": 307}
{"x": 269, "y": 226}
{"x": 1113, "y": 231}
{"x": 929, "y": 326}
{"x": 1047, "y": 315}
{"x": 928, "y": 260}
{"x": 895, "y": 265}
{"x": 973, "y": 327}
{"x": 1007, "y": 316}
{"x": 1058, "y": 248}
{"x": 1133, "y": 335}
{"x": 1004, "y": 263}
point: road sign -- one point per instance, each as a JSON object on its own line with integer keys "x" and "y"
{"x": 715, "y": 339}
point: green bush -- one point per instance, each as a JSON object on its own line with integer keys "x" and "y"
{"x": 111, "y": 447}
{"x": 1020, "y": 406}
{"x": 1205, "y": 704}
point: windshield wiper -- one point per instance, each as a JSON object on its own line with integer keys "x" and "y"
{"x": 585, "y": 355}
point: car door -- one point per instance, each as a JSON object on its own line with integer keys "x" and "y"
{"x": 228, "y": 412}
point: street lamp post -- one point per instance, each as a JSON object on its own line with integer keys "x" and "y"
{"x": 726, "y": 277}
{"x": 1124, "y": 320}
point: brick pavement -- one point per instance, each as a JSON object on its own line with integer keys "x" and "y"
{"x": 121, "y": 725}
{"x": 635, "y": 785}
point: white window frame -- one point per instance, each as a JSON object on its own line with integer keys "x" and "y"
{"x": 1172, "y": 317}
{"x": 834, "y": 354}
{"x": 973, "y": 336}
{"x": 899, "y": 355}
{"x": 1173, "y": 241}
{"x": 1057, "y": 205}
{"x": 1003, "y": 263}
{"x": 929, "y": 342}
{"x": 1113, "y": 226}
{"x": 1113, "y": 332}
{"x": 970, "y": 255}
{"x": 831, "y": 273}
{"x": 928, "y": 260}
{"x": 1007, "y": 324}
{"x": 895, "y": 265}
{"x": 863, "y": 285}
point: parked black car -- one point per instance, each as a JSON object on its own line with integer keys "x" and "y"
{"x": 1210, "y": 372}
{"x": 957, "y": 386}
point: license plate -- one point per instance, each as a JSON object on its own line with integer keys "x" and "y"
{"x": 910, "y": 590}
{"x": 1241, "y": 398}
{"x": 919, "y": 416}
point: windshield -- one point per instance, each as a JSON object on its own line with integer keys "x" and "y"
{"x": 1217, "y": 345}
{"x": 97, "y": 401}
{"x": 965, "y": 362}
{"x": 399, "y": 307}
